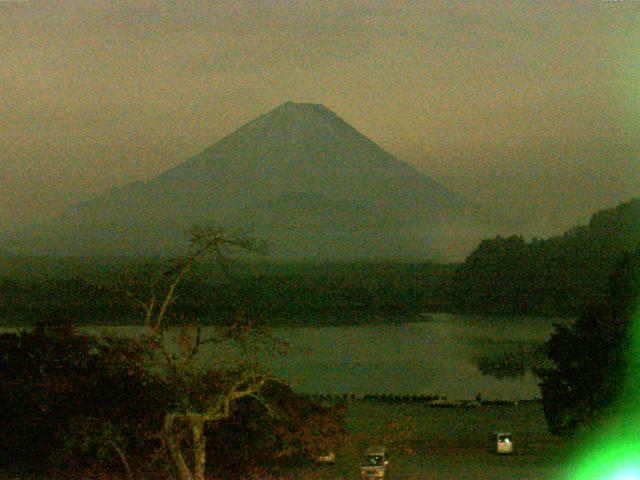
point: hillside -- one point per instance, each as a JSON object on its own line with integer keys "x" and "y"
{"x": 557, "y": 276}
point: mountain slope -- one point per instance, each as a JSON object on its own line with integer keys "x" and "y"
{"x": 298, "y": 175}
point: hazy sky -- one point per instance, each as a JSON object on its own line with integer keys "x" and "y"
{"x": 531, "y": 107}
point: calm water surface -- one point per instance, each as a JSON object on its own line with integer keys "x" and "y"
{"x": 454, "y": 355}
{"x": 446, "y": 354}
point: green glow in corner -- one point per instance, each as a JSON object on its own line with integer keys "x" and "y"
{"x": 610, "y": 461}
{"x": 613, "y": 453}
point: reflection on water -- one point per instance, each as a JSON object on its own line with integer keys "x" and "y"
{"x": 454, "y": 355}
{"x": 502, "y": 367}
{"x": 507, "y": 358}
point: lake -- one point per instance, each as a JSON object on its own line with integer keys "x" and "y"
{"x": 454, "y": 355}
{"x": 437, "y": 354}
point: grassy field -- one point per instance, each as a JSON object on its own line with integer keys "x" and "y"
{"x": 448, "y": 443}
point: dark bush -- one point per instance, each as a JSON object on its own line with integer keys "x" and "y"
{"x": 77, "y": 403}
{"x": 64, "y": 397}
{"x": 292, "y": 429}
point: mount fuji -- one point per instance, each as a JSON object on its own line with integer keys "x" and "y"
{"x": 299, "y": 177}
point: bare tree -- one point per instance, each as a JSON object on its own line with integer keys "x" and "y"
{"x": 209, "y": 373}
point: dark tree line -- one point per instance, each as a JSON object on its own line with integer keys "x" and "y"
{"x": 589, "y": 358}
{"x": 336, "y": 293}
{"x": 558, "y": 276}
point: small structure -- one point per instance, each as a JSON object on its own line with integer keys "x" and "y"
{"x": 326, "y": 458}
{"x": 503, "y": 442}
{"x": 376, "y": 463}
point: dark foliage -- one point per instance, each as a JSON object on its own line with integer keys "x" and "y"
{"x": 76, "y": 403}
{"x": 335, "y": 292}
{"x": 508, "y": 359}
{"x": 558, "y": 276}
{"x": 294, "y": 430}
{"x": 54, "y": 383}
{"x": 589, "y": 356}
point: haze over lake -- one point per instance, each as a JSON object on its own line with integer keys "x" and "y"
{"x": 440, "y": 354}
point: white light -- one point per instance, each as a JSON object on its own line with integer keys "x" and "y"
{"x": 631, "y": 473}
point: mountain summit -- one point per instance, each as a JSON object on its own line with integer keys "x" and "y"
{"x": 298, "y": 176}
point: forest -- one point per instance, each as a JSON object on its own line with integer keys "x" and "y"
{"x": 558, "y": 276}
{"x": 89, "y": 291}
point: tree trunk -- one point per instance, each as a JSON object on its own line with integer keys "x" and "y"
{"x": 199, "y": 445}
{"x": 184, "y": 473}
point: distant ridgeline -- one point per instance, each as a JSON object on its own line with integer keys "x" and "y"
{"x": 557, "y": 276}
